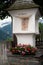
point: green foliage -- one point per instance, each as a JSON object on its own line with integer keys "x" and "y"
{"x": 3, "y": 5}
{"x": 8, "y": 39}
{"x": 41, "y": 29}
{"x": 39, "y": 2}
{"x": 6, "y": 3}
{"x": 3, "y": 14}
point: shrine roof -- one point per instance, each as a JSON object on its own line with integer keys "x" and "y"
{"x": 22, "y": 4}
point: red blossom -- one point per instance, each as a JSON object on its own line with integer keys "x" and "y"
{"x": 28, "y": 49}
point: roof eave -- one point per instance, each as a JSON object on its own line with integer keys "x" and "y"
{"x": 20, "y": 6}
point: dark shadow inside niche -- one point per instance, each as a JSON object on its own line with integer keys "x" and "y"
{"x": 14, "y": 42}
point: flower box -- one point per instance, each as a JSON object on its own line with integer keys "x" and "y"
{"x": 23, "y": 50}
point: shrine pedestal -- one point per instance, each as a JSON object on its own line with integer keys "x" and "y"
{"x": 26, "y": 39}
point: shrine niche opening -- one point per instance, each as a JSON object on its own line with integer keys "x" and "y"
{"x": 25, "y": 24}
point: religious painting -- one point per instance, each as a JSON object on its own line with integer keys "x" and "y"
{"x": 25, "y": 24}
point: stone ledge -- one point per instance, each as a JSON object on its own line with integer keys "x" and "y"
{"x": 22, "y": 60}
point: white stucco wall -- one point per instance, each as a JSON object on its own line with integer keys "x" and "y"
{"x": 33, "y": 15}
{"x": 17, "y": 28}
{"x": 26, "y": 39}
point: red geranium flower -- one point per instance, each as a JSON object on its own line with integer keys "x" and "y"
{"x": 28, "y": 49}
